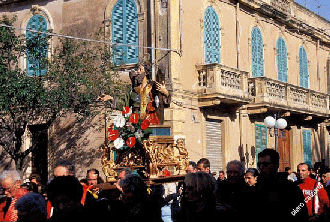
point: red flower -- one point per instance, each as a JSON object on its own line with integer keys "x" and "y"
{"x": 167, "y": 173}
{"x": 130, "y": 141}
{"x": 134, "y": 118}
{"x": 114, "y": 134}
{"x": 125, "y": 110}
{"x": 145, "y": 124}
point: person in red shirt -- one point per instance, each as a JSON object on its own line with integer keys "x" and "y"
{"x": 11, "y": 185}
{"x": 316, "y": 198}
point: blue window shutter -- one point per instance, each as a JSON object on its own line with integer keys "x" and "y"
{"x": 125, "y": 31}
{"x": 282, "y": 60}
{"x": 260, "y": 138}
{"x": 131, "y": 35}
{"x": 211, "y": 36}
{"x": 257, "y": 52}
{"x": 303, "y": 68}
{"x": 307, "y": 147}
{"x": 34, "y": 65}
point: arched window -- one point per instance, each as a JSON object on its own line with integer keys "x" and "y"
{"x": 211, "y": 36}
{"x": 303, "y": 68}
{"x": 282, "y": 67}
{"x": 125, "y": 31}
{"x": 36, "y": 54}
{"x": 257, "y": 53}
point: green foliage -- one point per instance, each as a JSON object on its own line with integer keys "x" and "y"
{"x": 77, "y": 74}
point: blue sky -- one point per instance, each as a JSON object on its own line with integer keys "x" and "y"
{"x": 320, "y": 7}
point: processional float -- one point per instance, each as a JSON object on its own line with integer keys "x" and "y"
{"x": 137, "y": 140}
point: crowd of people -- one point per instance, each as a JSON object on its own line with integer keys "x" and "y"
{"x": 238, "y": 194}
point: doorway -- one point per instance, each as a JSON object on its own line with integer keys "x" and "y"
{"x": 284, "y": 149}
{"x": 40, "y": 151}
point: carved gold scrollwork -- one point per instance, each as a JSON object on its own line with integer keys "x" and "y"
{"x": 159, "y": 156}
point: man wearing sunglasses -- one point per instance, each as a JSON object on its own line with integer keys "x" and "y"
{"x": 277, "y": 198}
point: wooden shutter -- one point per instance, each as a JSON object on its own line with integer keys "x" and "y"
{"x": 260, "y": 138}
{"x": 303, "y": 68}
{"x": 282, "y": 60}
{"x": 307, "y": 146}
{"x": 34, "y": 64}
{"x": 211, "y": 36}
{"x": 213, "y": 144}
{"x": 257, "y": 53}
{"x": 131, "y": 31}
{"x": 125, "y": 31}
{"x": 118, "y": 32}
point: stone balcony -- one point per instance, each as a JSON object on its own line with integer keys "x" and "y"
{"x": 221, "y": 84}
{"x": 276, "y": 94}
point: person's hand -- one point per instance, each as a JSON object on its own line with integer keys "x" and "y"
{"x": 118, "y": 187}
{"x": 160, "y": 87}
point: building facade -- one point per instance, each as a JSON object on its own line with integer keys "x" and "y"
{"x": 228, "y": 64}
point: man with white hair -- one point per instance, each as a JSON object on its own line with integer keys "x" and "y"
{"x": 11, "y": 182}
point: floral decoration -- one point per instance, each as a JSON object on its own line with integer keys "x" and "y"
{"x": 128, "y": 130}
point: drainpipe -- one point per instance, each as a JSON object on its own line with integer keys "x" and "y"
{"x": 180, "y": 24}
{"x": 152, "y": 18}
{"x": 318, "y": 64}
{"x": 237, "y": 36}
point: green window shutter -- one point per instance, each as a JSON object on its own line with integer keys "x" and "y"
{"x": 260, "y": 138}
{"x": 303, "y": 68}
{"x": 282, "y": 60}
{"x": 257, "y": 53}
{"x": 35, "y": 61}
{"x": 307, "y": 146}
{"x": 211, "y": 36}
{"x": 125, "y": 31}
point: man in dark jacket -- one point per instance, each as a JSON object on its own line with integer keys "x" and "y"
{"x": 277, "y": 199}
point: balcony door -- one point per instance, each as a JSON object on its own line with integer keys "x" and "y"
{"x": 284, "y": 149}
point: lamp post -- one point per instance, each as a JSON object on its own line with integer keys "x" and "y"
{"x": 275, "y": 124}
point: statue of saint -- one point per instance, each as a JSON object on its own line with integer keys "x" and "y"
{"x": 149, "y": 97}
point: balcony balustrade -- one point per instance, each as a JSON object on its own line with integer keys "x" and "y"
{"x": 222, "y": 83}
{"x": 288, "y": 96}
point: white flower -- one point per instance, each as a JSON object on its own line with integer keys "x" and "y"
{"x": 119, "y": 121}
{"x": 138, "y": 134}
{"x": 118, "y": 143}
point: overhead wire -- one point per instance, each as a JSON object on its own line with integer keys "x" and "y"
{"x": 112, "y": 44}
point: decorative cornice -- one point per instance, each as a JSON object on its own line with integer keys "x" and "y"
{"x": 276, "y": 11}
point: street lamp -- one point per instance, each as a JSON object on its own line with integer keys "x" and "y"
{"x": 275, "y": 124}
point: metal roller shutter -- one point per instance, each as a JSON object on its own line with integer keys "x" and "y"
{"x": 213, "y": 145}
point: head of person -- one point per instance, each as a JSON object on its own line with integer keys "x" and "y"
{"x": 10, "y": 182}
{"x": 203, "y": 165}
{"x": 65, "y": 193}
{"x": 235, "y": 171}
{"x": 326, "y": 176}
{"x": 288, "y": 170}
{"x": 64, "y": 168}
{"x": 268, "y": 163}
{"x": 304, "y": 171}
{"x": 93, "y": 177}
{"x": 123, "y": 173}
{"x": 222, "y": 175}
{"x": 133, "y": 188}
{"x": 35, "y": 178}
{"x": 198, "y": 190}
{"x": 191, "y": 168}
{"x": 31, "y": 207}
{"x": 251, "y": 176}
